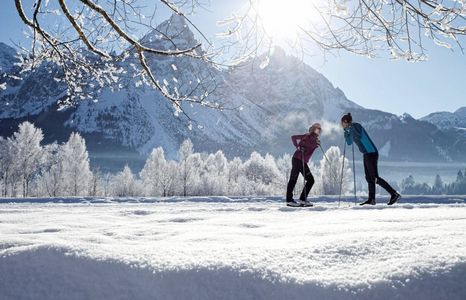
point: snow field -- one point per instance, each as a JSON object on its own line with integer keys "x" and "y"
{"x": 240, "y": 248}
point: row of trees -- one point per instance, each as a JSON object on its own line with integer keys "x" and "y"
{"x": 458, "y": 187}
{"x": 28, "y": 168}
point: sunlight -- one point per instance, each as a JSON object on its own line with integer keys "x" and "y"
{"x": 282, "y": 19}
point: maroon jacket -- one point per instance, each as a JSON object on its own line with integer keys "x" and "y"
{"x": 308, "y": 142}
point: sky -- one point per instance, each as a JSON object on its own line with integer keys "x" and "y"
{"x": 381, "y": 83}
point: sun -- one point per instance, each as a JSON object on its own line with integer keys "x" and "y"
{"x": 284, "y": 19}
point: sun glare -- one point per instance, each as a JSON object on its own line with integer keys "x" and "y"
{"x": 283, "y": 19}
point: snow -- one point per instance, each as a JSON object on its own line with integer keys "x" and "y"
{"x": 231, "y": 248}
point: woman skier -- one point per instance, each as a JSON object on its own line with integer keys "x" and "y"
{"x": 354, "y": 132}
{"x": 305, "y": 145}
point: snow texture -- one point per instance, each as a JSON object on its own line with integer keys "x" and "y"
{"x": 231, "y": 248}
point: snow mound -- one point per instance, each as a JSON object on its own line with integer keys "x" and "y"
{"x": 49, "y": 274}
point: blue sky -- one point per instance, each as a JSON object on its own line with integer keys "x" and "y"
{"x": 393, "y": 86}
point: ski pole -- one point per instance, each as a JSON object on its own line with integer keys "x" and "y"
{"x": 325, "y": 155}
{"x": 354, "y": 177}
{"x": 304, "y": 177}
{"x": 341, "y": 177}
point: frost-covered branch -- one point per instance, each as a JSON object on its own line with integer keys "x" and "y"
{"x": 363, "y": 27}
{"x": 92, "y": 40}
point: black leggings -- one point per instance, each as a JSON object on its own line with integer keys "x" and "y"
{"x": 296, "y": 168}
{"x": 372, "y": 175}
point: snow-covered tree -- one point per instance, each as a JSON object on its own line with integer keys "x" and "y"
{"x": 158, "y": 174}
{"x": 196, "y": 164}
{"x": 331, "y": 172}
{"x": 96, "y": 183}
{"x": 75, "y": 163}
{"x": 28, "y": 153}
{"x": 152, "y": 171}
{"x": 234, "y": 169}
{"x": 407, "y": 184}
{"x": 284, "y": 167}
{"x": 259, "y": 168}
{"x": 124, "y": 184}
{"x": 261, "y": 173}
{"x": 186, "y": 150}
{"x": 214, "y": 175}
{"x": 438, "y": 187}
{"x": 6, "y": 164}
{"x": 50, "y": 181}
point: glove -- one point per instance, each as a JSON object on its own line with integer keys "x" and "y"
{"x": 318, "y": 142}
{"x": 347, "y": 132}
{"x": 302, "y": 149}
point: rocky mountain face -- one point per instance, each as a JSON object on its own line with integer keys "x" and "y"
{"x": 448, "y": 120}
{"x": 278, "y": 94}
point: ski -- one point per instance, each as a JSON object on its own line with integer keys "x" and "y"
{"x": 295, "y": 204}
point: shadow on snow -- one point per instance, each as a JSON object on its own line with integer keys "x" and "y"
{"x": 49, "y": 274}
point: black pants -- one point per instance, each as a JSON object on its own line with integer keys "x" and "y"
{"x": 296, "y": 168}
{"x": 372, "y": 175}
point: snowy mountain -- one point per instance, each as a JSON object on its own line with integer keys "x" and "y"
{"x": 279, "y": 96}
{"x": 448, "y": 120}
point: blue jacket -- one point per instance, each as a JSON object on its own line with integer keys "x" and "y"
{"x": 355, "y": 132}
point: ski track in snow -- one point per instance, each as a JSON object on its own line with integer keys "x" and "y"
{"x": 231, "y": 248}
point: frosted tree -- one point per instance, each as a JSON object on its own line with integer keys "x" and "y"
{"x": 196, "y": 165}
{"x": 331, "y": 172}
{"x": 215, "y": 173}
{"x": 260, "y": 173}
{"x": 235, "y": 172}
{"x": 259, "y": 168}
{"x": 438, "y": 188}
{"x": 185, "y": 151}
{"x": 51, "y": 180}
{"x": 96, "y": 183}
{"x": 158, "y": 174}
{"x": 168, "y": 178}
{"x": 151, "y": 172}
{"x": 28, "y": 154}
{"x": 124, "y": 184}
{"x": 75, "y": 163}
{"x": 6, "y": 164}
{"x": 106, "y": 184}
{"x": 234, "y": 169}
{"x": 284, "y": 167}
{"x": 408, "y": 184}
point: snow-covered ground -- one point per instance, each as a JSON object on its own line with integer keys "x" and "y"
{"x": 231, "y": 248}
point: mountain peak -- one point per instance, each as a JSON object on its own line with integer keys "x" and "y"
{"x": 406, "y": 116}
{"x": 173, "y": 33}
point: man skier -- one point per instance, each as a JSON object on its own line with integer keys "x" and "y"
{"x": 354, "y": 132}
{"x": 305, "y": 145}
